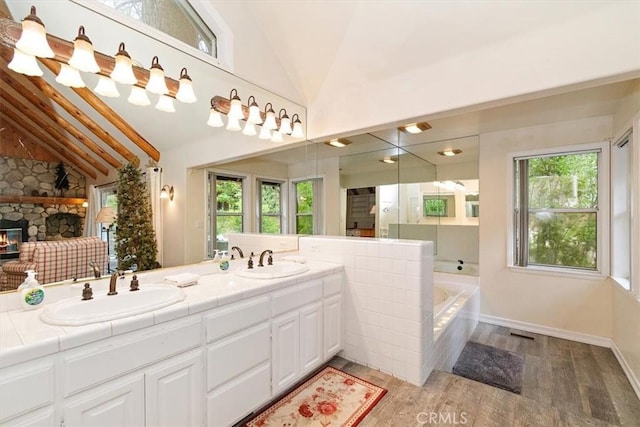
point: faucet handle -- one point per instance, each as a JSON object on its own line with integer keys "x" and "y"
{"x": 250, "y": 262}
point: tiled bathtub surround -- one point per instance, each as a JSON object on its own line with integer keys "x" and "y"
{"x": 388, "y": 301}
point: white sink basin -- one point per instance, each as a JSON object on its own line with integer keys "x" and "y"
{"x": 273, "y": 271}
{"x": 102, "y": 308}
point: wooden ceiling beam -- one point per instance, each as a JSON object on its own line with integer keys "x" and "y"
{"x": 48, "y": 110}
{"x": 85, "y": 120}
{"x": 45, "y": 141}
{"x": 11, "y": 31}
{"x": 29, "y": 112}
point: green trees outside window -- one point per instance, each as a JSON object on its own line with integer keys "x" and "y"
{"x": 304, "y": 207}
{"x": 270, "y": 207}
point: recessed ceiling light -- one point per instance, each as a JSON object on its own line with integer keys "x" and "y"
{"x": 389, "y": 160}
{"x": 415, "y": 127}
{"x": 450, "y": 152}
{"x": 338, "y": 142}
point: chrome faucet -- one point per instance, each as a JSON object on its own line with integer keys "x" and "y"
{"x": 96, "y": 269}
{"x": 269, "y": 260}
{"x": 237, "y": 249}
{"x": 113, "y": 280}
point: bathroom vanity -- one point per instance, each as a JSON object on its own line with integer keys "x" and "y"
{"x": 228, "y": 348}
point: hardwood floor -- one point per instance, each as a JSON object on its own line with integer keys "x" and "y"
{"x": 565, "y": 383}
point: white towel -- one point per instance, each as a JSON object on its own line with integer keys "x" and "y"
{"x": 183, "y": 279}
{"x": 294, "y": 258}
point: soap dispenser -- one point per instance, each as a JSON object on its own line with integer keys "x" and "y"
{"x": 224, "y": 262}
{"x": 31, "y": 292}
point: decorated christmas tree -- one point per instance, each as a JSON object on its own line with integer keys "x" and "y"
{"x": 135, "y": 238}
{"x": 62, "y": 178}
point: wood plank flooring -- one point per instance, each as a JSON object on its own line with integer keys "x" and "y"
{"x": 565, "y": 383}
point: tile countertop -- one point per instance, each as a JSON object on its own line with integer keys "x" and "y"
{"x": 23, "y": 336}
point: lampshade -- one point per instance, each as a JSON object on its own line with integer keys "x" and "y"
{"x": 235, "y": 109}
{"x": 167, "y": 192}
{"x": 83, "y": 57}
{"x": 123, "y": 70}
{"x": 254, "y": 112}
{"x": 106, "y": 215}
{"x": 233, "y": 124}
{"x": 285, "y": 122}
{"x": 215, "y": 118}
{"x": 69, "y": 76}
{"x": 185, "y": 90}
{"x": 138, "y": 96}
{"x": 106, "y": 87}
{"x": 34, "y": 37}
{"x": 24, "y": 63}
{"x": 165, "y": 103}
{"x": 156, "y": 83}
{"x": 276, "y": 136}
{"x": 270, "y": 120}
{"x": 249, "y": 129}
{"x": 297, "y": 127}
{"x": 264, "y": 133}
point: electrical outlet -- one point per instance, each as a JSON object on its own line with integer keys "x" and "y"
{"x": 315, "y": 248}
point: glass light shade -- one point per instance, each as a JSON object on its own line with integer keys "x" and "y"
{"x": 165, "y": 103}
{"x": 156, "y": 83}
{"x": 83, "y": 57}
{"x": 233, "y": 124}
{"x": 69, "y": 76}
{"x": 285, "y": 125}
{"x": 185, "y": 91}
{"x": 215, "y": 119}
{"x": 123, "y": 70}
{"x": 33, "y": 39}
{"x": 138, "y": 96}
{"x": 264, "y": 133}
{"x": 254, "y": 115}
{"x": 24, "y": 63}
{"x": 297, "y": 130}
{"x": 270, "y": 121}
{"x": 249, "y": 129}
{"x": 235, "y": 110}
{"x": 276, "y": 137}
{"x": 106, "y": 87}
{"x": 164, "y": 194}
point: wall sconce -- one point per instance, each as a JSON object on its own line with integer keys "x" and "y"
{"x": 79, "y": 56}
{"x": 167, "y": 192}
{"x": 234, "y": 110}
{"x": 415, "y": 127}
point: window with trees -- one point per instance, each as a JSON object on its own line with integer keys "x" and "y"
{"x": 226, "y": 209}
{"x": 308, "y": 204}
{"x": 176, "y": 18}
{"x": 270, "y": 198}
{"x": 558, "y": 210}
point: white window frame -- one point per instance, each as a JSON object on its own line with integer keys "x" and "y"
{"x": 603, "y": 224}
{"x": 223, "y": 33}
{"x": 318, "y": 203}
{"x": 284, "y": 217}
{"x": 246, "y": 201}
{"x": 621, "y": 200}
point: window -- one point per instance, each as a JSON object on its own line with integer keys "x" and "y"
{"x": 308, "y": 204}
{"x": 440, "y": 205}
{"x": 226, "y": 212}
{"x": 558, "y": 210}
{"x": 621, "y": 158}
{"x": 176, "y": 18}
{"x": 270, "y": 207}
{"x": 109, "y": 198}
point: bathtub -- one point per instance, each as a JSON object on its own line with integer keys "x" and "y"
{"x": 454, "y": 267}
{"x": 442, "y": 300}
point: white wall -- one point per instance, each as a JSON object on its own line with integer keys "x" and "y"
{"x": 566, "y": 303}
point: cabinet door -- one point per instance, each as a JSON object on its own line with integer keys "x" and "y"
{"x": 285, "y": 335}
{"x": 174, "y": 391}
{"x": 118, "y": 403}
{"x": 311, "y": 351}
{"x": 332, "y": 326}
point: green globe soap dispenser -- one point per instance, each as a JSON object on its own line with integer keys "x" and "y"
{"x": 31, "y": 292}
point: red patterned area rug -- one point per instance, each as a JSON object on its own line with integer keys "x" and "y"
{"x": 331, "y": 398}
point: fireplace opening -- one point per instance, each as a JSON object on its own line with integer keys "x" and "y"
{"x": 12, "y": 233}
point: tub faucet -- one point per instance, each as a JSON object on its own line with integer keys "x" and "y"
{"x": 269, "y": 260}
{"x": 96, "y": 269}
{"x": 237, "y": 249}
{"x": 113, "y": 280}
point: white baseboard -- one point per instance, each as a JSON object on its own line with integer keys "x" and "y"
{"x": 547, "y": 330}
{"x": 568, "y": 335}
{"x": 635, "y": 383}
